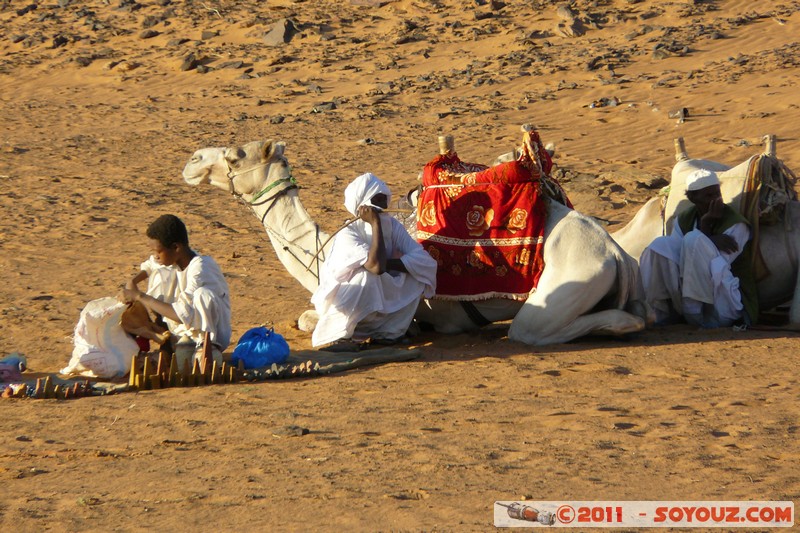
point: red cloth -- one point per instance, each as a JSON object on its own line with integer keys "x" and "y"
{"x": 144, "y": 344}
{"x": 485, "y": 226}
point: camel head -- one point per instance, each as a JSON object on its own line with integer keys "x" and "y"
{"x": 245, "y": 169}
{"x": 204, "y": 163}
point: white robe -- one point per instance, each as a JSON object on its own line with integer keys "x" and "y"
{"x": 688, "y": 275}
{"x": 355, "y": 303}
{"x": 198, "y": 294}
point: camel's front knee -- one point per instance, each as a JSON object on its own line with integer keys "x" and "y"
{"x": 539, "y": 328}
{"x": 620, "y": 323}
{"x": 643, "y": 310}
{"x": 308, "y": 321}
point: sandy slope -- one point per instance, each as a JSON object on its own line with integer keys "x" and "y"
{"x": 98, "y": 122}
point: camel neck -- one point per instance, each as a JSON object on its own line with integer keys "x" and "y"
{"x": 294, "y": 235}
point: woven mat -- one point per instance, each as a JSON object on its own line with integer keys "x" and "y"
{"x": 330, "y": 362}
{"x": 301, "y": 364}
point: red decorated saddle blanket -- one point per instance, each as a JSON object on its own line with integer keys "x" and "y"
{"x": 485, "y": 226}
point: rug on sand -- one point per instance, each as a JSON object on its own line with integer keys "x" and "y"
{"x": 316, "y": 362}
{"x": 301, "y": 363}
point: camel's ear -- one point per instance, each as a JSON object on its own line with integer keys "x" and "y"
{"x": 266, "y": 150}
{"x": 272, "y": 149}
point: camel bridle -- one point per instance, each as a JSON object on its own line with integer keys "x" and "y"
{"x": 281, "y": 186}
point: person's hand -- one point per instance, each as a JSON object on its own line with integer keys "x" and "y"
{"x": 714, "y": 213}
{"x": 368, "y": 214}
{"x": 376, "y": 260}
{"x": 715, "y": 208}
{"x": 128, "y": 296}
{"x": 725, "y": 243}
{"x": 712, "y": 216}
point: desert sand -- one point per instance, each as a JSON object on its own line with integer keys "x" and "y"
{"x": 101, "y": 105}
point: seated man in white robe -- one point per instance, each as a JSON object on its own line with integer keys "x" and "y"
{"x": 375, "y": 275}
{"x": 702, "y": 270}
{"x": 187, "y": 289}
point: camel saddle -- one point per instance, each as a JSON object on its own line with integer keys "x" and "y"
{"x": 485, "y": 225}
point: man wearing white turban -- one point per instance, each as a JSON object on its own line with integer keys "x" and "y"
{"x": 375, "y": 275}
{"x": 702, "y": 270}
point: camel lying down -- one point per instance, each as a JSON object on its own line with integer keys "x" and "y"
{"x": 589, "y": 284}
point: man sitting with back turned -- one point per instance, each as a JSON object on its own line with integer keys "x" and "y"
{"x": 702, "y": 270}
{"x": 187, "y": 289}
{"x": 375, "y": 275}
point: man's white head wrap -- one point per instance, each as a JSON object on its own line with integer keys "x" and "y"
{"x": 361, "y": 191}
{"x": 700, "y": 179}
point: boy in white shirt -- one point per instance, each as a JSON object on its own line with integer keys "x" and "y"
{"x": 187, "y": 289}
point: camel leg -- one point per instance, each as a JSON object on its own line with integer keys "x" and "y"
{"x": 556, "y": 312}
{"x": 444, "y": 316}
{"x": 308, "y": 321}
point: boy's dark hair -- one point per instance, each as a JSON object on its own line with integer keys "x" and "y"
{"x": 168, "y": 230}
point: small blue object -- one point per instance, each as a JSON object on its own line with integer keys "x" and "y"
{"x": 260, "y": 347}
{"x": 17, "y": 360}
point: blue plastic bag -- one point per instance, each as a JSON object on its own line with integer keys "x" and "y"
{"x": 260, "y": 347}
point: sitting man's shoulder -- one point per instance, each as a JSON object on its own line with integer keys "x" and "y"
{"x": 204, "y": 263}
{"x": 732, "y": 215}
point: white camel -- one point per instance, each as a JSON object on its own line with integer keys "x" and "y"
{"x": 779, "y": 243}
{"x": 589, "y": 284}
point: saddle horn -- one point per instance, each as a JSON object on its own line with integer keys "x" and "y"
{"x": 680, "y": 150}
{"x": 770, "y": 147}
{"x": 447, "y": 144}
